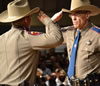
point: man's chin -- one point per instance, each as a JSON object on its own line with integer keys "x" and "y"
{"x": 75, "y": 26}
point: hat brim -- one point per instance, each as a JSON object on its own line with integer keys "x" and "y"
{"x": 5, "y": 19}
{"x": 93, "y": 9}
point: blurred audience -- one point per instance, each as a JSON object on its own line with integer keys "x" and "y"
{"x": 52, "y": 69}
{"x": 62, "y": 79}
{"x": 52, "y": 80}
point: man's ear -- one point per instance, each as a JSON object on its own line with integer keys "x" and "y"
{"x": 25, "y": 20}
{"x": 88, "y": 16}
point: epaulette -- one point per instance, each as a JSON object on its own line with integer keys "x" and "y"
{"x": 96, "y": 29}
{"x": 67, "y": 28}
{"x": 34, "y": 33}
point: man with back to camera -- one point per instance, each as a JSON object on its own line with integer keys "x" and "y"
{"x": 19, "y": 47}
{"x": 83, "y": 43}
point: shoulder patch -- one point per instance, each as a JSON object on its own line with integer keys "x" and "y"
{"x": 34, "y": 33}
{"x": 96, "y": 29}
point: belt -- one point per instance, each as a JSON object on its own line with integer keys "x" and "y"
{"x": 90, "y": 80}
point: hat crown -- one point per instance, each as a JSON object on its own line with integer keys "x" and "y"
{"x": 18, "y": 8}
{"x": 78, "y": 3}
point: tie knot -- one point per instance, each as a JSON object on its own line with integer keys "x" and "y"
{"x": 78, "y": 32}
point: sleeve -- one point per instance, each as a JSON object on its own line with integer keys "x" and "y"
{"x": 64, "y": 33}
{"x": 52, "y": 38}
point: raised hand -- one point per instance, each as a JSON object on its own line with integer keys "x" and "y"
{"x": 56, "y": 17}
{"x": 41, "y": 16}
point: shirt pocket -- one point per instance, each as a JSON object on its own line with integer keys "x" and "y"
{"x": 89, "y": 47}
{"x": 88, "y": 50}
{"x": 90, "y": 55}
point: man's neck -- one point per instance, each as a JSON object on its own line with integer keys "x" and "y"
{"x": 84, "y": 26}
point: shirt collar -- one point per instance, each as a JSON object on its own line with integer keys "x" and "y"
{"x": 85, "y": 29}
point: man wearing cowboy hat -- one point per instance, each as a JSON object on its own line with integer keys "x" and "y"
{"x": 19, "y": 48}
{"x": 83, "y": 44}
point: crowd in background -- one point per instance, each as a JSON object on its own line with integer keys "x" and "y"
{"x": 52, "y": 69}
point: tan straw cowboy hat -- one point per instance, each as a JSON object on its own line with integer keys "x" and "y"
{"x": 16, "y": 10}
{"x": 79, "y": 5}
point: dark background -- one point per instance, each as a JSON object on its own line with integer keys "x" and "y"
{"x": 50, "y": 7}
{"x": 47, "y": 5}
